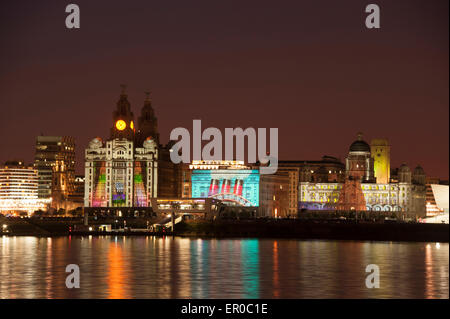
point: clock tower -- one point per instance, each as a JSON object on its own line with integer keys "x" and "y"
{"x": 147, "y": 123}
{"x": 123, "y": 119}
{"x": 121, "y": 177}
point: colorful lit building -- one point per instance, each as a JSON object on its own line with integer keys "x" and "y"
{"x": 365, "y": 187}
{"x": 232, "y": 182}
{"x": 121, "y": 173}
{"x": 327, "y": 170}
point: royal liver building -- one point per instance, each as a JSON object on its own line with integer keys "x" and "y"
{"x": 121, "y": 172}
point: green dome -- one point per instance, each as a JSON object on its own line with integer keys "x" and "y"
{"x": 359, "y": 145}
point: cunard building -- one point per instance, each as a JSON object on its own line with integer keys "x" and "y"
{"x": 368, "y": 184}
{"x": 121, "y": 172}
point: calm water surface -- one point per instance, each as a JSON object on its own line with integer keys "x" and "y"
{"x": 149, "y": 267}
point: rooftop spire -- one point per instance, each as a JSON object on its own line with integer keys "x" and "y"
{"x": 360, "y": 135}
{"x": 147, "y": 121}
{"x": 124, "y": 87}
{"x": 147, "y": 96}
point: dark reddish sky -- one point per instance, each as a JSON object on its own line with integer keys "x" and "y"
{"x": 310, "y": 68}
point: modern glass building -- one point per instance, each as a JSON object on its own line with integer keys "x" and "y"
{"x": 55, "y": 164}
{"x": 19, "y": 189}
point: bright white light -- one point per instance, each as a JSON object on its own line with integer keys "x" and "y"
{"x": 169, "y": 215}
{"x": 90, "y": 228}
{"x": 5, "y": 226}
{"x": 438, "y": 245}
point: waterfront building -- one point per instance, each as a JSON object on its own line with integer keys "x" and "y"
{"x": 121, "y": 172}
{"x": 293, "y": 174}
{"x": 274, "y": 195}
{"x": 359, "y": 164}
{"x": 381, "y": 154}
{"x": 185, "y": 180}
{"x": 437, "y": 202}
{"x": 436, "y": 196}
{"x": 19, "y": 189}
{"x": 240, "y": 188}
{"x": 232, "y": 182}
{"x": 169, "y": 174}
{"x": 327, "y": 170}
{"x": 361, "y": 190}
{"x": 351, "y": 196}
{"x": 76, "y": 199}
{"x": 55, "y": 164}
{"x": 197, "y": 207}
{"x": 432, "y": 208}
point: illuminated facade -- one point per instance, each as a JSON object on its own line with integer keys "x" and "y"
{"x": 293, "y": 174}
{"x": 55, "y": 163}
{"x": 381, "y": 153}
{"x": 121, "y": 173}
{"x": 437, "y": 197}
{"x": 205, "y": 207}
{"x": 437, "y": 203}
{"x": 359, "y": 162}
{"x": 274, "y": 195}
{"x": 231, "y": 182}
{"x": 19, "y": 189}
{"x": 361, "y": 191}
{"x": 327, "y": 170}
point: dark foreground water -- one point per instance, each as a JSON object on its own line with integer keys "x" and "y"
{"x": 149, "y": 267}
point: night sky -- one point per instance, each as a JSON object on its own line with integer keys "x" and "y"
{"x": 310, "y": 68}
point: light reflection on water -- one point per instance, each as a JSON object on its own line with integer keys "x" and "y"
{"x": 151, "y": 267}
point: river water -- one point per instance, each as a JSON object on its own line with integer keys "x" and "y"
{"x": 154, "y": 267}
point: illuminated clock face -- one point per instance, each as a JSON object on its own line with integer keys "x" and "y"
{"x": 121, "y": 125}
{"x": 132, "y": 125}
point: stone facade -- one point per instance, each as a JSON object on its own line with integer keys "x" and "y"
{"x": 361, "y": 191}
{"x": 121, "y": 173}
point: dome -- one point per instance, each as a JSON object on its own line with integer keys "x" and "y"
{"x": 404, "y": 168}
{"x": 96, "y": 143}
{"x": 149, "y": 143}
{"x": 359, "y": 145}
{"x": 419, "y": 170}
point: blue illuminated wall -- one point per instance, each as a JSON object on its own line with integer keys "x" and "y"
{"x": 240, "y": 187}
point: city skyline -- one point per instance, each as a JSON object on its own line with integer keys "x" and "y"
{"x": 224, "y": 158}
{"x": 291, "y": 73}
